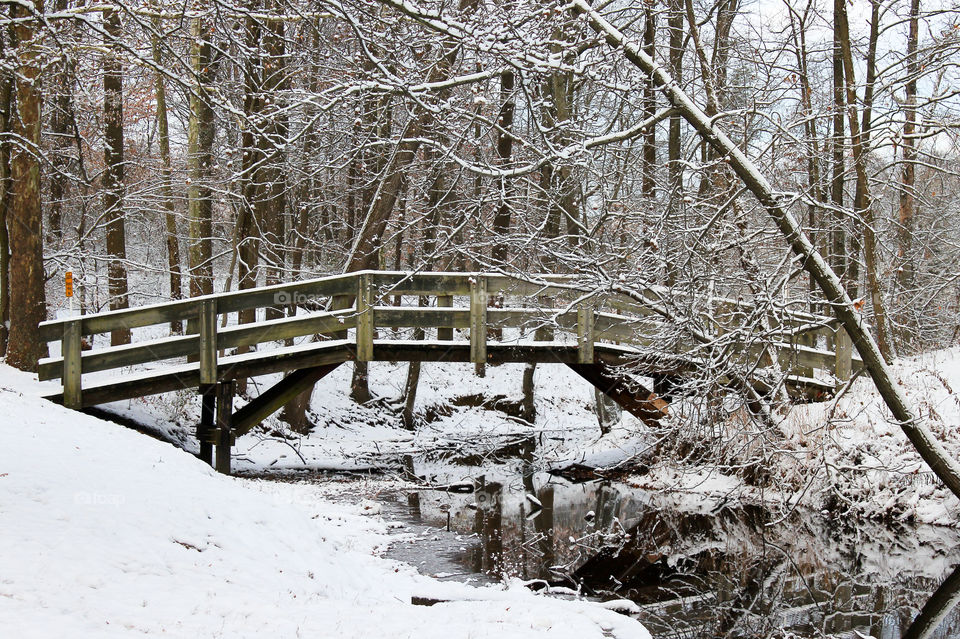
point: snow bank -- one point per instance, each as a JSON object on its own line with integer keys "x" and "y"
{"x": 105, "y": 532}
{"x": 860, "y": 457}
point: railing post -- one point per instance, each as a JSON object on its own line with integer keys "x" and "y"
{"x": 72, "y": 365}
{"x": 844, "y": 355}
{"x": 208, "y": 341}
{"x": 224, "y": 425}
{"x": 364, "y": 319}
{"x": 585, "y": 322}
{"x": 478, "y": 322}
{"x": 445, "y": 301}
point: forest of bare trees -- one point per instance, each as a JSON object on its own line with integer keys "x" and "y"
{"x": 162, "y": 150}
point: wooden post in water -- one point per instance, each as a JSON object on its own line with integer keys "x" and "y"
{"x": 364, "y": 319}
{"x": 224, "y": 425}
{"x": 445, "y": 301}
{"x": 208, "y": 400}
{"x": 585, "y": 323}
{"x": 208, "y": 341}
{"x": 478, "y": 323}
{"x": 72, "y": 365}
{"x": 844, "y": 356}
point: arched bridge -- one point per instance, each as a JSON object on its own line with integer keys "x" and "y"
{"x": 311, "y": 327}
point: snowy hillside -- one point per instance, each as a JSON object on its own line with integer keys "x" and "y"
{"x": 105, "y": 532}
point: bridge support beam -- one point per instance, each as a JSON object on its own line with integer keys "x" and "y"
{"x": 277, "y": 396}
{"x": 632, "y": 396}
{"x": 224, "y": 432}
{"x": 205, "y": 428}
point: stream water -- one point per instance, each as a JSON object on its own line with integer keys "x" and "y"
{"x": 703, "y": 570}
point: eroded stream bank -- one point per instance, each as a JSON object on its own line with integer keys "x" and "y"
{"x": 694, "y": 569}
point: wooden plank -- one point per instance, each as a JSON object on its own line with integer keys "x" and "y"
{"x": 188, "y": 376}
{"x": 229, "y": 337}
{"x": 208, "y": 341}
{"x": 126, "y": 355}
{"x": 52, "y": 330}
{"x": 585, "y": 337}
{"x": 277, "y": 396}
{"x": 285, "y": 328}
{"x": 309, "y": 293}
{"x": 394, "y": 283}
{"x": 478, "y": 320}
{"x": 130, "y": 386}
{"x": 286, "y": 359}
{"x": 72, "y": 365}
{"x": 186, "y": 309}
{"x": 224, "y": 434}
{"x": 365, "y": 319}
{"x": 422, "y": 317}
{"x": 543, "y": 353}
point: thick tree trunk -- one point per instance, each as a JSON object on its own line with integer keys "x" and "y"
{"x": 113, "y": 187}
{"x": 274, "y": 143}
{"x": 905, "y": 270}
{"x": 59, "y": 123}
{"x": 946, "y": 468}
{"x": 199, "y": 162}
{"x": 6, "y": 103}
{"x": 25, "y": 214}
{"x": 166, "y": 186}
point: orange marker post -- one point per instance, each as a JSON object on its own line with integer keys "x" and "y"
{"x": 68, "y": 286}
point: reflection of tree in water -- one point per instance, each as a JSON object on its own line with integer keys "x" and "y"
{"x": 727, "y": 573}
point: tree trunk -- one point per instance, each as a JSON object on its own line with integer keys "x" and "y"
{"x": 905, "y": 270}
{"x": 59, "y": 123}
{"x": 504, "y": 142}
{"x": 649, "y": 165}
{"x": 838, "y": 236}
{"x": 862, "y": 202}
{"x": 113, "y": 187}
{"x": 24, "y": 221}
{"x": 674, "y": 167}
{"x": 6, "y": 103}
{"x": 813, "y": 149}
{"x": 274, "y": 142}
{"x": 945, "y": 467}
{"x": 166, "y": 185}
{"x": 199, "y": 161}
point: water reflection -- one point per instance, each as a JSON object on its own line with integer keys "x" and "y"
{"x": 709, "y": 570}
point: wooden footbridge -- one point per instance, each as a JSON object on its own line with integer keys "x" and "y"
{"x": 317, "y": 325}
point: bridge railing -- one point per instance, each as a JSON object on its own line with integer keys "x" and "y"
{"x": 366, "y": 301}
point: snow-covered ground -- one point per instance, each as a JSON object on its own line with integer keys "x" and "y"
{"x": 105, "y": 532}
{"x": 846, "y": 456}
{"x": 108, "y": 531}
